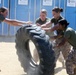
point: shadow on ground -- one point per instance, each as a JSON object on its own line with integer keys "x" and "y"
{"x": 23, "y": 74}
{"x": 7, "y": 38}
{"x": 58, "y": 69}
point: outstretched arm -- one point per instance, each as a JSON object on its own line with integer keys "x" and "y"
{"x": 16, "y": 22}
{"x": 56, "y": 27}
{"x": 46, "y": 25}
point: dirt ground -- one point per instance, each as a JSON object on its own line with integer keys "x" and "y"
{"x": 9, "y": 64}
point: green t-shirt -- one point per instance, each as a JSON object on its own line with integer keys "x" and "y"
{"x": 70, "y": 35}
{"x": 1, "y": 17}
{"x": 43, "y": 22}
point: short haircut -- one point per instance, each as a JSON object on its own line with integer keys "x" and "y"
{"x": 44, "y": 11}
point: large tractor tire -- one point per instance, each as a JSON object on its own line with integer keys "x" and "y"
{"x": 44, "y": 48}
{"x": 74, "y": 72}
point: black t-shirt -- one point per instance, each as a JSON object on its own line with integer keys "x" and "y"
{"x": 1, "y": 17}
{"x": 55, "y": 21}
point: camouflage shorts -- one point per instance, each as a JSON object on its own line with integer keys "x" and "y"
{"x": 65, "y": 49}
{"x": 71, "y": 62}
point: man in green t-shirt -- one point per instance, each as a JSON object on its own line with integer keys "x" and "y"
{"x": 40, "y": 21}
{"x": 44, "y": 19}
{"x": 70, "y": 36}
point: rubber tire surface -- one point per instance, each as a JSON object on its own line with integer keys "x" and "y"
{"x": 74, "y": 72}
{"x": 44, "y": 48}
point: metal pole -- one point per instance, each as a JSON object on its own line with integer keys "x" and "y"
{"x": 2, "y": 22}
{"x": 59, "y": 2}
{"x": 34, "y": 10}
{"x": 54, "y": 3}
{"x": 9, "y": 17}
{"x": 40, "y": 5}
{"x": 29, "y": 9}
{"x": 65, "y": 3}
{"x": 15, "y": 16}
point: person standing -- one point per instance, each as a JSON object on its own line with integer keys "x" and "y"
{"x": 70, "y": 37}
{"x": 3, "y": 15}
{"x": 44, "y": 19}
{"x": 39, "y": 21}
{"x": 54, "y": 20}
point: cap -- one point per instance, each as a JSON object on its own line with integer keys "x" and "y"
{"x": 63, "y": 22}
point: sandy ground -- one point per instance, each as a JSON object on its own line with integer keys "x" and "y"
{"x": 9, "y": 64}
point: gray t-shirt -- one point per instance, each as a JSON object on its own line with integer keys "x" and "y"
{"x": 70, "y": 35}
